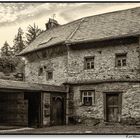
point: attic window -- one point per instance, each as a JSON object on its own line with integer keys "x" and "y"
{"x": 47, "y": 41}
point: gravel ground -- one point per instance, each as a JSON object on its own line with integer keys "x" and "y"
{"x": 81, "y": 129}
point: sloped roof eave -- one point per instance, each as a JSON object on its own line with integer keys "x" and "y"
{"x": 101, "y": 39}
{"x": 100, "y": 27}
{"x": 102, "y": 81}
{"x": 80, "y": 41}
{"x": 26, "y": 86}
{"x": 24, "y": 53}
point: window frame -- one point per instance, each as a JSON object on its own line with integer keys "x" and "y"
{"x": 40, "y": 71}
{"x": 92, "y": 96}
{"x": 88, "y": 62}
{"x": 120, "y": 57}
{"x": 47, "y": 75}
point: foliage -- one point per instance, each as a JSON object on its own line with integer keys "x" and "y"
{"x": 19, "y": 44}
{"x": 33, "y": 32}
{"x": 6, "y": 50}
{"x": 8, "y": 64}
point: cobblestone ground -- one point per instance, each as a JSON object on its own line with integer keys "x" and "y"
{"x": 82, "y": 129}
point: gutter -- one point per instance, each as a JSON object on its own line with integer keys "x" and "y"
{"x": 72, "y": 42}
{"x": 68, "y": 41}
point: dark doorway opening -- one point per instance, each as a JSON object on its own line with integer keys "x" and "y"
{"x": 13, "y": 108}
{"x": 58, "y": 109}
{"x": 34, "y": 109}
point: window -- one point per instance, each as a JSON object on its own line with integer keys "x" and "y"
{"x": 121, "y": 60}
{"x": 49, "y": 75}
{"x": 40, "y": 72}
{"x": 87, "y": 97}
{"x": 89, "y": 63}
{"x": 44, "y": 54}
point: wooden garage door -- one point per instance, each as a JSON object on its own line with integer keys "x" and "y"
{"x": 14, "y": 109}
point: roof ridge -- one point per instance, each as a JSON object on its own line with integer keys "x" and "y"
{"x": 75, "y": 30}
{"x": 108, "y": 12}
{"x": 70, "y": 32}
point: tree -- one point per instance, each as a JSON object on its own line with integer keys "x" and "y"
{"x": 19, "y": 44}
{"x": 33, "y": 32}
{"x": 5, "y": 50}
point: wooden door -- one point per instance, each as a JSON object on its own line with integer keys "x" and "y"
{"x": 112, "y": 107}
{"x": 57, "y": 112}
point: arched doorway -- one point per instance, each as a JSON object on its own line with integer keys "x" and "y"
{"x": 57, "y": 110}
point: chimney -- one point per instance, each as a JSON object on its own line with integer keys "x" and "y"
{"x": 51, "y": 24}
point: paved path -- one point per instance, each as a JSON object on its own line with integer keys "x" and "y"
{"x": 79, "y": 129}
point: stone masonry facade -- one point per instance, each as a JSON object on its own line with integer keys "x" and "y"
{"x": 56, "y": 63}
{"x": 69, "y": 68}
{"x": 130, "y": 106}
{"x": 104, "y": 62}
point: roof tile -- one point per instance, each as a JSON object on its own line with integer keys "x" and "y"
{"x": 98, "y": 27}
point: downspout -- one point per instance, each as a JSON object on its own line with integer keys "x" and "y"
{"x": 139, "y": 58}
{"x": 67, "y": 45}
{"x": 67, "y": 86}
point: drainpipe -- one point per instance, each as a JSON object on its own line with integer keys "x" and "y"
{"x": 67, "y": 65}
{"x": 139, "y": 58}
{"x": 67, "y": 86}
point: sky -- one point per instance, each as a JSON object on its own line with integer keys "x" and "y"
{"x": 15, "y": 15}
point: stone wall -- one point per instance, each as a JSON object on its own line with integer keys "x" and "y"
{"x": 57, "y": 65}
{"x": 130, "y": 100}
{"x": 69, "y": 66}
{"x": 131, "y": 105}
{"x": 104, "y": 62}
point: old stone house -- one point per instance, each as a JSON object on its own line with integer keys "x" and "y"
{"x": 87, "y": 69}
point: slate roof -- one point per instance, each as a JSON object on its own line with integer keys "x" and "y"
{"x": 51, "y": 37}
{"x": 94, "y": 28}
{"x": 26, "y": 86}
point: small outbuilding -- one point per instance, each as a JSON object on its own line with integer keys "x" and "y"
{"x": 33, "y": 105}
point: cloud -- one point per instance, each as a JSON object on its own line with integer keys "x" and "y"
{"x": 15, "y": 15}
{"x": 84, "y": 10}
{"x": 11, "y": 13}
